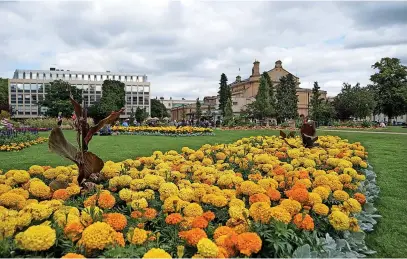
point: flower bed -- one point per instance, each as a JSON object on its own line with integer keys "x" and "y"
{"x": 15, "y": 140}
{"x": 256, "y": 197}
{"x": 164, "y": 131}
{"x": 258, "y": 128}
{"x": 354, "y": 127}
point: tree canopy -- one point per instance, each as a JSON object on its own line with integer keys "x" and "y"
{"x": 262, "y": 106}
{"x": 272, "y": 94}
{"x": 287, "y": 99}
{"x": 316, "y": 103}
{"x": 198, "y": 111}
{"x": 158, "y": 109}
{"x": 57, "y": 98}
{"x": 390, "y": 87}
{"x": 224, "y": 93}
{"x": 356, "y": 102}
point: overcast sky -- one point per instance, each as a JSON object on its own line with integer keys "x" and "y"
{"x": 184, "y": 46}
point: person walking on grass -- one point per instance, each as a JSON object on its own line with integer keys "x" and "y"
{"x": 59, "y": 119}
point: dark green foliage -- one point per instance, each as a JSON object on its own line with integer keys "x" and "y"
{"x": 228, "y": 115}
{"x": 3, "y": 92}
{"x": 158, "y": 109}
{"x": 113, "y": 96}
{"x": 287, "y": 99}
{"x": 224, "y": 93}
{"x": 261, "y": 106}
{"x": 140, "y": 114}
{"x": 198, "y": 111}
{"x": 316, "y": 103}
{"x": 356, "y": 101}
{"x": 390, "y": 87}
{"x": 272, "y": 94}
{"x": 57, "y": 98}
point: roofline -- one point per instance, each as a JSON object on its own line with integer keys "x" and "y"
{"x": 78, "y": 72}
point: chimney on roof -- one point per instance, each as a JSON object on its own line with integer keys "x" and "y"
{"x": 279, "y": 64}
{"x": 256, "y": 68}
{"x": 52, "y": 68}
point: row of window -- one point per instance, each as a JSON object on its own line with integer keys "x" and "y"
{"x": 68, "y": 76}
{"x": 91, "y": 88}
{"x": 34, "y": 110}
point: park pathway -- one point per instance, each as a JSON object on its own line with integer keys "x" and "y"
{"x": 368, "y": 132}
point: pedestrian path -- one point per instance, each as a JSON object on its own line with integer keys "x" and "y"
{"x": 367, "y": 132}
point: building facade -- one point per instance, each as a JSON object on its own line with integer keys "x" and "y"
{"x": 245, "y": 91}
{"x": 174, "y": 103}
{"x": 28, "y": 87}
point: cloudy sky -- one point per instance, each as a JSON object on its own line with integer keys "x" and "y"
{"x": 184, "y": 46}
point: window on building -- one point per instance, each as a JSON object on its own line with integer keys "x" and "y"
{"x": 234, "y": 103}
{"x": 23, "y": 75}
{"x": 98, "y": 77}
{"x": 85, "y": 77}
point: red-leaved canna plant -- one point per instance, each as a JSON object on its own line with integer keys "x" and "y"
{"x": 308, "y": 135}
{"x": 89, "y": 164}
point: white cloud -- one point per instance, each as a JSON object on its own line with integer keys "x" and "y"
{"x": 184, "y": 46}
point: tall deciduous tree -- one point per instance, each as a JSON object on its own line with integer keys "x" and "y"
{"x": 198, "y": 111}
{"x": 57, "y": 98}
{"x": 3, "y": 92}
{"x": 356, "y": 101}
{"x": 158, "y": 109}
{"x": 287, "y": 99}
{"x": 390, "y": 87}
{"x": 272, "y": 94}
{"x": 316, "y": 103}
{"x": 140, "y": 115}
{"x": 224, "y": 93}
{"x": 262, "y": 107}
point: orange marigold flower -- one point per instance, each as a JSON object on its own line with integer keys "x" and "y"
{"x": 193, "y": 236}
{"x": 304, "y": 222}
{"x": 72, "y": 255}
{"x": 304, "y": 174}
{"x": 136, "y": 214}
{"x": 199, "y": 222}
{"x": 150, "y": 213}
{"x": 90, "y": 202}
{"x": 209, "y": 215}
{"x": 298, "y": 194}
{"x": 140, "y": 225}
{"x": 259, "y": 197}
{"x": 279, "y": 171}
{"x": 361, "y": 198}
{"x": 249, "y": 243}
{"x": 106, "y": 201}
{"x": 116, "y": 220}
{"x": 73, "y": 230}
{"x": 119, "y": 238}
{"x": 60, "y": 194}
{"x": 255, "y": 177}
{"x": 223, "y": 230}
{"x": 273, "y": 194}
{"x": 173, "y": 218}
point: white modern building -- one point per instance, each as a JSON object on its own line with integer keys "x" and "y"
{"x": 28, "y": 87}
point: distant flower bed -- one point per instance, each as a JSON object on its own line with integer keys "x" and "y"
{"x": 14, "y": 140}
{"x": 353, "y": 127}
{"x": 33, "y": 129}
{"x": 163, "y": 131}
{"x": 258, "y": 128}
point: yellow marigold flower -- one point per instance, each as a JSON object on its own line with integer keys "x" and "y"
{"x": 73, "y": 189}
{"x": 168, "y": 189}
{"x": 72, "y": 255}
{"x": 322, "y": 191}
{"x": 4, "y": 188}
{"x": 21, "y": 176}
{"x": 50, "y": 173}
{"x": 267, "y": 183}
{"x": 219, "y": 201}
{"x": 250, "y": 188}
{"x": 339, "y": 220}
{"x": 260, "y": 211}
{"x": 99, "y": 235}
{"x": 36, "y": 169}
{"x": 156, "y": 253}
{"x": 138, "y": 236}
{"x": 193, "y": 210}
{"x": 363, "y": 164}
{"x": 24, "y": 220}
{"x": 238, "y": 212}
{"x": 352, "y": 205}
{"x": 341, "y": 195}
{"x": 320, "y": 209}
{"x": 314, "y": 198}
{"x": 139, "y": 204}
{"x": 279, "y": 213}
{"x": 353, "y": 225}
{"x": 207, "y": 248}
{"x": 292, "y": 206}
{"x": 8, "y": 227}
{"x": 186, "y": 194}
{"x": 39, "y": 189}
{"x": 36, "y": 238}
{"x": 355, "y": 160}
{"x": 236, "y": 202}
{"x": 12, "y": 200}
{"x": 125, "y": 194}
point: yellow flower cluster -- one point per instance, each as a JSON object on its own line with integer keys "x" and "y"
{"x": 257, "y": 179}
{"x": 22, "y": 145}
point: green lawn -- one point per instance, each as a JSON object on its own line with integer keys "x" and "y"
{"x": 398, "y": 129}
{"x": 387, "y": 154}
